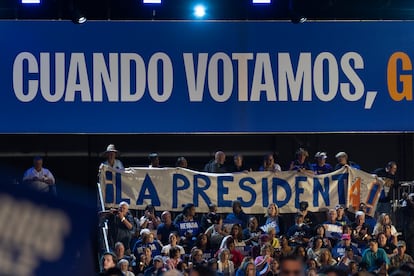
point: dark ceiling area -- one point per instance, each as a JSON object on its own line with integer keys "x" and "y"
{"x": 215, "y": 9}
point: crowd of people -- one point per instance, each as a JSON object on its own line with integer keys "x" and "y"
{"x": 191, "y": 243}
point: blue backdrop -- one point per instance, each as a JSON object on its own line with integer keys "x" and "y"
{"x": 178, "y": 77}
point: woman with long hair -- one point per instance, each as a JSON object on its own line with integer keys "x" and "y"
{"x": 315, "y": 251}
{"x": 383, "y": 219}
{"x": 225, "y": 265}
{"x": 325, "y": 259}
{"x": 174, "y": 258}
{"x": 272, "y": 217}
{"x": 285, "y": 248}
{"x": 263, "y": 261}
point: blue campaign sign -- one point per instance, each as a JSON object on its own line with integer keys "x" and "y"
{"x": 43, "y": 235}
{"x": 189, "y": 76}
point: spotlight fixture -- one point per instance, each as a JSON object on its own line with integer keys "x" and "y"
{"x": 78, "y": 18}
{"x": 199, "y": 11}
{"x": 261, "y": 1}
{"x": 298, "y": 19}
{"x": 151, "y": 1}
{"x": 30, "y": 1}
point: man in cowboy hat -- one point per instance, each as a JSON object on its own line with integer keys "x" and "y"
{"x": 110, "y": 154}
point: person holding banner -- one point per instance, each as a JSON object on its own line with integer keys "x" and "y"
{"x": 300, "y": 163}
{"x": 269, "y": 164}
{"x": 342, "y": 158}
{"x": 321, "y": 167}
{"x": 217, "y": 165}
{"x": 238, "y": 165}
{"x": 110, "y": 154}
{"x": 154, "y": 160}
{"x": 388, "y": 174}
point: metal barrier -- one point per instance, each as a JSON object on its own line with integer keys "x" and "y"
{"x": 104, "y": 228}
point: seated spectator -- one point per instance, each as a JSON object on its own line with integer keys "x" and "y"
{"x": 321, "y": 167}
{"x": 388, "y": 247}
{"x": 342, "y": 218}
{"x": 147, "y": 241}
{"x": 300, "y": 163}
{"x": 238, "y": 165}
{"x": 123, "y": 265}
{"x": 340, "y": 249}
{"x": 188, "y": 226}
{"x": 145, "y": 261}
{"x": 197, "y": 258}
{"x": 285, "y": 248}
{"x": 166, "y": 227}
{"x": 383, "y": 219}
{"x": 308, "y": 216}
{"x": 108, "y": 261}
{"x": 237, "y": 235}
{"x": 236, "y": 256}
{"x": 174, "y": 258}
{"x": 361, "y": 233}
{"x": 325, "y": 259}
{"x": 300, "y": 252}
{"x": 400, "y": 258}
{"x": 269, "y": 164}
{"x": 174, "y": 240}
{"x": 348, "y": 258}
{"x": 247, "y": 268}
{"x": 217, "y": 165}
{"x": 315, "y": 251}
{"x": 225, "y": 265}
{"x": 375, "y": 257}
{"x": 272, "y": 217}
{"x": 273, "y": 240}
{"x": 207, "y": 219}
{"x": 238, "y": 216}
{"x": 368, "y": 219}
{"x": 299, "y": 233}
{"x": 150, "y": 220}
{"x": 256, "y": 249}
{"x": 387, "y": 230}
{"x": 119, "y": 251}
{"x": 203, "y": 243}
{"x": 320, "y": 232}
{"x": 157, "y": 269}
{"x": 216, "y": 232}
{"x": 252, "y": 232}
{"x": 291, "y": 265}
{"x": 274, "y": 268}
{"x": 342, "y": 158}
{"x": 333, "y": 228}
{"x": 264, "y": 261}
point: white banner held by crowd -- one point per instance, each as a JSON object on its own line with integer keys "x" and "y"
{"x": 171, "y": 188}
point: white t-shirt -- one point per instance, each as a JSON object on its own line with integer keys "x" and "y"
{"x": 42, "y": 175}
